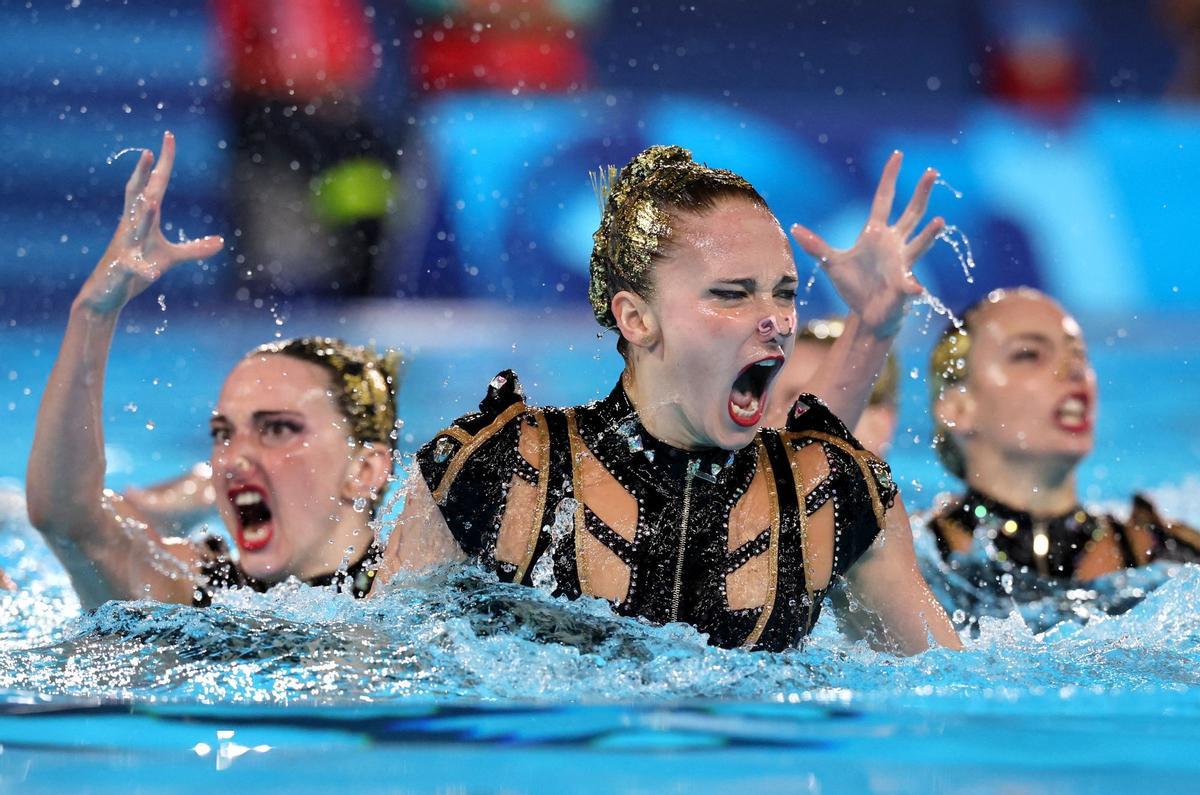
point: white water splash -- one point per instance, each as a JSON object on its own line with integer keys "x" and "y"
{"x": 115, "y": 156}
{"x": 933, "y": 302}
{"x": 958, "y": 194}
{"x": 961, "y": 244}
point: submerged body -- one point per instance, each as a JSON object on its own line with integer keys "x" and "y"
{"x": 668, "y": 498}
{"x": 742, "y": 545}
{"x": 300, "y": 441}
{"x": 1014, "y": 397}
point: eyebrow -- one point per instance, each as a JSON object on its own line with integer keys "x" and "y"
{"x": 749, "y": 284}
{"x": 257, "y": 416}
{"x": 1032, "y": 336}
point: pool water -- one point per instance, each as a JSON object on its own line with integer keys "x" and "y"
{"x": 458, "y": 683}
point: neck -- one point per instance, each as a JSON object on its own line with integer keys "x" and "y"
{"x": 1042, "y": 488}
{"x": 660, "y": 416}
{"x": 352, "y": 531}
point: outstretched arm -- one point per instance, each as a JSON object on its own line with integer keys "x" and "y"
{"x": 892, "y": 604}
{"x": 874, "y": 277}
{"x": 107, "y": 548}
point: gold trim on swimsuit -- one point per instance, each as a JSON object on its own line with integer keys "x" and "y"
{"x": 543, "y": 451}
{"x": 772, "y": 549}
{"x": 478, "y": 440}
{"x": 860, "y": 457}
{"x": 793, "y": 456}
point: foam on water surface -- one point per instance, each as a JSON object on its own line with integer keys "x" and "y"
{"x": 461, "y": 636}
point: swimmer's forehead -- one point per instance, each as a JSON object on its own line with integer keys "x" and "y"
{"x": 263, "y": 383}
{"x": 1026, "y": 316}
{"x": 733, "y": 234}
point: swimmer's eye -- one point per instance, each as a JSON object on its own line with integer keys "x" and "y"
{"x": 788, "y": 294}
{"x": 220, "y": 434}
{"x": 278, "y": 431}
{"x": 1026, "y": 355}
{"x": 727, "y": 295}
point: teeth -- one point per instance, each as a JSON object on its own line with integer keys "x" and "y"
{"x": 255, "y": 534}
{"x": 247, "y": 498}
{"x": 767, "y": 363}
{"x": 747, "y": 412}
{"x": 1073, "y": 407}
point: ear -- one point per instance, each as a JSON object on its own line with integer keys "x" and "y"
{"x": 635, "y": 319}
{"x": 368, "y": 473}
{"x": 955, "y": 410}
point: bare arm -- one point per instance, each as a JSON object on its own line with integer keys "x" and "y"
{"x": 893, "y": 606}
{"x": 874, "y": 277}
{"x": 174, "y": 505}
{"x": 421, "y": 539}
{"x": 107, "y": 548}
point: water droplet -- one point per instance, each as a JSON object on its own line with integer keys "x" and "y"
{"x": 957, "y": 193}
{"x": 958, "y": 241}
{"x": 116, "y": 155}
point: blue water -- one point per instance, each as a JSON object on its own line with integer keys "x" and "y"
{"x": 458, "y": 683}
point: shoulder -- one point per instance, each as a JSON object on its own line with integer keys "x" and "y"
{"x": 502, "y": 405}
{"x": 1178, "y": 541}
{"x": 948, "y": 524}
{"x": 810, "y": 414}
{"x": 811, "y": 422}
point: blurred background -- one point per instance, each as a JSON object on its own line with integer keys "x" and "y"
{"x": 416, "y": 173}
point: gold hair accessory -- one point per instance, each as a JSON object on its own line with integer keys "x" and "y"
{"x": 634, "y": 204}
{"x": 366, "y": 382}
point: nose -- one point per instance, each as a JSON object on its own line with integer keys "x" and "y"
{"x": 776, "y": 327}
{"x": 233, "y": 459}
{"x": 1074, "y": 364}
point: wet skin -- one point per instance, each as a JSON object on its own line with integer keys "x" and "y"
{"x": 1024, "y": 415}
{"x": 279, "y": 437}
{"x": 1030, "y": 379}
{"x": 724, "y": 272}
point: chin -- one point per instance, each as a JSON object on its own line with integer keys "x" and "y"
{"x": 263, "y": 565}
{"x": 735, "y": 437}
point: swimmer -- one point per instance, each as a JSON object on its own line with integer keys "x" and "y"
{"x": 302, "y": 443}
{"x": 1014, "y": 401}
{"x": 875, "y": 427}
{"x": 669, "y": 498}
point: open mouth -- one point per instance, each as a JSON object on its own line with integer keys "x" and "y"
{"x": 254, "y": 526}
{"x": 1072, "y": 413}
{"x": 748, "y": 397}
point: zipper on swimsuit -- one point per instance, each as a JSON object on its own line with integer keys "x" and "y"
{"x": 677, "y": 593}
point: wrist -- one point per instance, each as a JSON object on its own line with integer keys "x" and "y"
{"x": 883, "y": 332}
{"x": 88, "y": 310}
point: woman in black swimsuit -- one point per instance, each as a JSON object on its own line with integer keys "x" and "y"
{"x": 302, "y": 445}
{"x": 668, "y": 498}
{"x": 1014, "y": 396}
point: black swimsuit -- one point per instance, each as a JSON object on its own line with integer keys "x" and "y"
{"x": 1055, "y": 547}
{"x": 591, "y": 460}
{"x": 220, "y": 571}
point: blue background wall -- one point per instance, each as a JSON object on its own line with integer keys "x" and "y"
{"x": 805, "y": 99}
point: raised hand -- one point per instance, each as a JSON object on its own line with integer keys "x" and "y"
{"x": 139, "y": 253}
{"x": 874, "y": 276}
